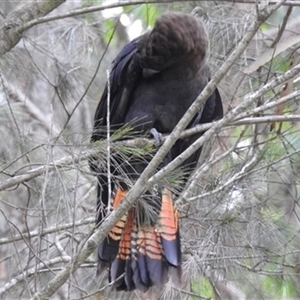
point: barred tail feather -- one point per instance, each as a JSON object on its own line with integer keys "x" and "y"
{"x": 120, "y": 265}
{"x": 156, "y": 264}
{"x": 108, "y": 249}
{"x": 142, "y": 253}
{"x": 138, "y": 261}
{"x": 167, "y": 225}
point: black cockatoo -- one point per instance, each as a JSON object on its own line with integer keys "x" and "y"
{"x": 153, "y": 81}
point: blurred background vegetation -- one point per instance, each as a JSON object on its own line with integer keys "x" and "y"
{"x": 240, "y": 228}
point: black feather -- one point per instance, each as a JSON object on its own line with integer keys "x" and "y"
{"x": 154, "y": 80}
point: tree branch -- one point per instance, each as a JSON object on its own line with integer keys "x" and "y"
{"x": 45, "y": 231}
{"x": 68, "y": 161}
{"x": 101, "y": 7}
{"x": 40, "y": 268}
{"x": 12, "y": 28}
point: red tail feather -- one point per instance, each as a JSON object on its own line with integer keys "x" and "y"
{"x": 143, "y": 252}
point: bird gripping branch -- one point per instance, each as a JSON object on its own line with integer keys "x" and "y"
{"x": 153, "y": 81}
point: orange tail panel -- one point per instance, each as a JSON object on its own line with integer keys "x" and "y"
{"x": 167, "y": 225}
{"x": 142, "y": 253}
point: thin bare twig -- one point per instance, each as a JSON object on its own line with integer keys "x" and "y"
{"x": 282, "y": 27}
{"x": 40, "y": 268}
{"x": 46, "y": 231}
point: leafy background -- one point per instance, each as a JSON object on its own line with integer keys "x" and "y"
{"x": 240, "y": 221}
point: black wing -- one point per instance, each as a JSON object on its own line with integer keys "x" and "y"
{"x": 123, "y": 76}
{"x": 211, "y": 111}
{"x": 124, "y": 73}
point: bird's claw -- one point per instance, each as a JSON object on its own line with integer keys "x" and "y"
{"x": 158, "y": 138}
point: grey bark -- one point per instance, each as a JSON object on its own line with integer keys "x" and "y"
{"x": 10, "y": 29}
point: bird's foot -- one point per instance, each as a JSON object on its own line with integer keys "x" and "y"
{"x": 158, "y": 138}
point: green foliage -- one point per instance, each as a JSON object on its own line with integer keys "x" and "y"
{"x": 203, "y": 288}
{"x": 122, "y": 132}
{"x": 273, "y": 149}
{"x": 244, "y": 130}
{"x": 264, "y": 27}
{"x": 280, "y": 64}
{"x": 138, "y": 148}
{"x": 285, "y": 146}
{"x": 279, "y": 288}
{"x": 175, "y": 179}
{"x": 292, "y": 141}
{"x": 88, "y": 3}
{"x": 109, "y": 30}
{"x": 148, "y": 13}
